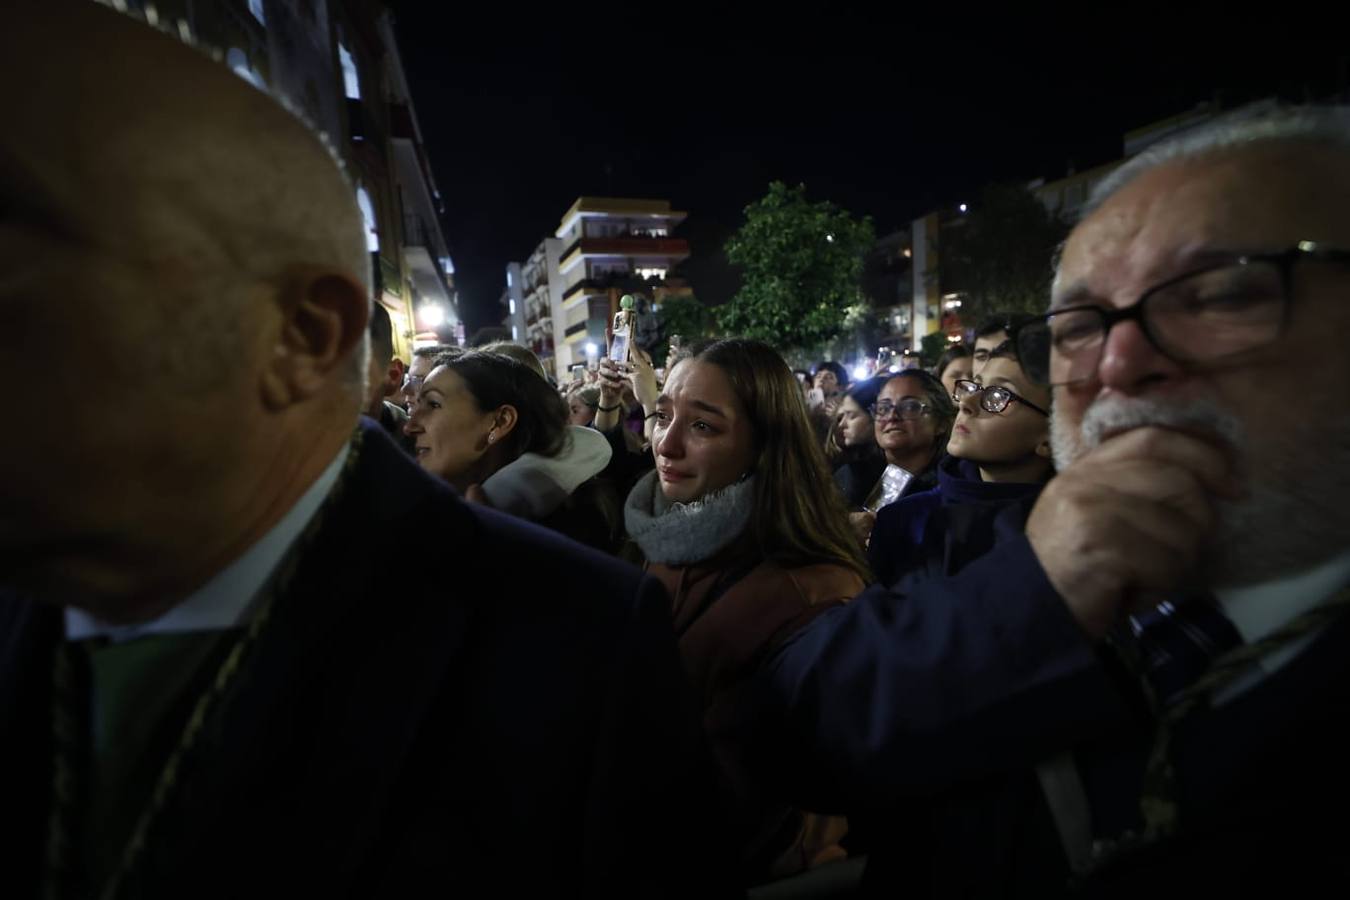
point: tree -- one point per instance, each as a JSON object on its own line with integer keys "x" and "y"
{"x": 685, "y": 315}
{"x": 932, "y": 346}
{"x": 999, "y": 257}
{"x": 801, "y": 269}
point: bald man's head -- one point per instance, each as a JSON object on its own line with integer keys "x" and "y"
{"x": 138, "y": 147}
{"x": 197, "y": 254}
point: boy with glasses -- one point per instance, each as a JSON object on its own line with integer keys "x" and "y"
{"x": 998, "y": 459}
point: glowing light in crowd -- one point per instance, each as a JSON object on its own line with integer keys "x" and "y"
{"x": 432, "y": 315}
{"x": 859, "y": 373}
{"x": 592, "y": 350}
{"x": 963, "y": 207}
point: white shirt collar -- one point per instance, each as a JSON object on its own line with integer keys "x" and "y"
{"x": 1260, "y": 609}
{"x": 227, "y": 599}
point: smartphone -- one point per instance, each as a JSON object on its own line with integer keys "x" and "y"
{"x": 579, "y": 372}
{"x": 816, "y": 397}
{"x": 622, "y": 329}
{"x": 618, "y": 346}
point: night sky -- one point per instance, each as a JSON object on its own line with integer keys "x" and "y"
{"x": 519, "y": 122}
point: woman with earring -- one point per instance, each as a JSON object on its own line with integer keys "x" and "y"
{"x": 743, "y": 524}
{"x": 479, "y": 412}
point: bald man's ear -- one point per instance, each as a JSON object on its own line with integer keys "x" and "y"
{"x": 324, "y": 317}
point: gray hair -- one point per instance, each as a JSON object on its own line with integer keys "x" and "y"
{"x": 1324, "y": 125}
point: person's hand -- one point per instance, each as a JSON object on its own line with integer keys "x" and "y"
{"x": 831, "y": 406}
{"x": 612, "y": 377}
{"x": 1128, "y": 518}
{"x": 862, "y": 524}
{"x": 643, "y": 378}
{"x": 474, "y": 494}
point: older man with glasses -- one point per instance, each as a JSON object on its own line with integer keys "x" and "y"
{"x": 1148, "y": 690}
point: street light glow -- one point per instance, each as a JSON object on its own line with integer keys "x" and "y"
{"x": 432, "y": 315}
{"x": 591, "y": 349}
{"x": 963, "y": 207}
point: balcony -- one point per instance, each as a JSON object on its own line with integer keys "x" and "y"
{"x": 423, "y": 248}
{"x": 586, "y": 286}
{"x": 625, "y": 245}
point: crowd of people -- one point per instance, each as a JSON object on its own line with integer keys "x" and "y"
{"x": 281, "y": 614}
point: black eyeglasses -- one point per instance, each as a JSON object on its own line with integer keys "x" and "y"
{"x": 993, "y": 398}
{"x": 907, "y": 409}
{"x": 1206, "y": 315}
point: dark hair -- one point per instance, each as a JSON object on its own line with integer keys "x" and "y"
{"x": 1005, "y": 350}
{"x": 951, "y": 355}
{"x": 799, "y": 518}
{"x": 940, "y": 405}
{"x": 864, "y": 393}
{"x": 381, "y": 334}
{"x": 517, "y": 351}
{"x": 1005, "y": 321}
{"x": 495, "y": 380}
{"x": 840, "y": 373}
{"x": 436, "y": 350}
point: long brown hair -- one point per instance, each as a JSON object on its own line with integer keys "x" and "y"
{"x": 799, "y": 516}
{"x": 864, "y": 393}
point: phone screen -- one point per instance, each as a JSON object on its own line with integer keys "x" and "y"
{"x": 618, "y": 347}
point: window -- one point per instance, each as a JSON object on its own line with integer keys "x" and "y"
{"x": 350, "y": 81}
{"x": 512, "y": 305}
{"x": 368, "y": 214}
{"x": 645, "y": 273}
{"x": 256, "y": 7}
{"x": 509, "y": 281}
{"x": 515, "y": 332}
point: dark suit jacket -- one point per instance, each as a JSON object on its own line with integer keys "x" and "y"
{"x": 511, "y": 713}
{"x": 937, "y": 532}
{"x": 927, "y": 712}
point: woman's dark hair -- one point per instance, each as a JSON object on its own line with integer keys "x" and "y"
{"x": 864, "y": 393}
{"x": 840, "y": 373}
{"x": 799, "y": 517}
{"x": 495, "y": 380}
{"x": 951, "y": 355}
{"x": 940, "y": 404}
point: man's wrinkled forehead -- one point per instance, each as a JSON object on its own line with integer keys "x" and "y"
{"x": 1180, "y": 215}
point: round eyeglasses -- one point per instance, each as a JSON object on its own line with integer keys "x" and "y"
{"x": 992, "y": 398}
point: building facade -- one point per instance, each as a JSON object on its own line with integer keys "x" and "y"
{"x": 336, "y": 64}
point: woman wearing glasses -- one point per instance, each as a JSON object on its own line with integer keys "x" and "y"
{"x": 998, "y": 459}
{"x": 912, "y": 419}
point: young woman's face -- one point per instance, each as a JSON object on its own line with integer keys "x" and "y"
{"x": 855, "y": 424}
{"x": 702, "y": 438}
{"x": 578, "y": 412}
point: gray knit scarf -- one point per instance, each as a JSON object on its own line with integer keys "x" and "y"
{"x": 678, "y": 534}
